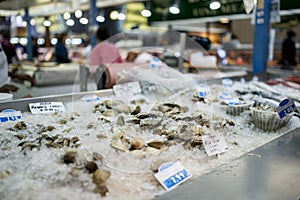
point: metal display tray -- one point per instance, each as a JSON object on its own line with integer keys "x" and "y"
{"x": 270, "y": 172}
{"x": 22, "y": 104}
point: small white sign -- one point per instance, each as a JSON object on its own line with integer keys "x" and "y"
{"x": 214, "y": 144}
{"x": 203, "y": 90}
{"x": 171, "y": 175}
{"x": 46, "y": 107}
{"x": 232, "y": 101}
{"x": 10, "y": 115}
{"x": 127, "y": 89}
{"x": 90, "y": 98}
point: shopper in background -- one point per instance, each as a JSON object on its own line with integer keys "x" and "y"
{"x": 8, "y": 48}
{"x": 4, "y": 87}
{"x": 288, "y": 51}
{"x": 104, "y": 52}
{"x": 61, "y": 51}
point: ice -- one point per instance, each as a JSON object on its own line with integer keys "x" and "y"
{"x": 41, "y": 174}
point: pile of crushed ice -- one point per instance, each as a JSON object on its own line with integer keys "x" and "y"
{"x": 32, "y": 166}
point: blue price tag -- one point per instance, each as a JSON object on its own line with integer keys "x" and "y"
{"x": 171, "y": 175}
{"x": 286, "y": 107}
{"x": 10, "y": 115}
{"x": 176, "y": 179}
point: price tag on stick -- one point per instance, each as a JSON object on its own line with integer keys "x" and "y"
{"x": 46, "y": 107}
{"x": 171, "y": 175}
{"x": 286, "y": 107}
{"x": 214, "y": 144}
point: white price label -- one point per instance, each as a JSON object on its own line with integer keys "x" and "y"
{"x": 171, "y": 175}
{"x": 46, "y": 107}
{"x": 127, "y": 89}
{"x": 232, "y": 101}
{"x": 10, "y": 115}
{"x": 90, "y": 98}
{"x": 214, "y": 144}
{"x": 203, "y": 90}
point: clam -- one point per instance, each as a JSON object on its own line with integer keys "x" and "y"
{"x": 197, "y": 140}
{"x": 4, "y": 174}
{"x": 100, "y": 176}
{"x": 97, "y": 156}
{"x": 70, "y": 157}
{"x": 137, "y": 143}
{"x": 91, "y": 166}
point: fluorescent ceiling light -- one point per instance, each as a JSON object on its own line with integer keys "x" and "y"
{"x": 67, "y": 15}
{"x": 100, "y": 18}
{"x": 121, "y": 16}
{"x": 78, "y": 13}
{"x": 70, "y": 22}
{"x": 47, "y": 23}
{"x": 84, "y": 20}
{"x": 114, "y": 15}
{"x": 146, "y": 13}
{"x": 214, "y": 5}
{"x": 174, "y": 10}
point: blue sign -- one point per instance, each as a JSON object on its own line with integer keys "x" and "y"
{"x": 176, "y": 179}
{"x": 286, "y": 107}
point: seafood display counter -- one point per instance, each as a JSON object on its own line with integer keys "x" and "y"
{"x": 104, "y": 145}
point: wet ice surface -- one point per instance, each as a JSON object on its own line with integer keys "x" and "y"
{"x": 40, "y": 173}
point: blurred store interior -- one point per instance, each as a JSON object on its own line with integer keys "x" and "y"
{"x": 177, "y": 31}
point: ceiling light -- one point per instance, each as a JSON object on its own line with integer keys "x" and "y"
{"x": 24, "y": 23}
{"x": 78, "y": 13}
{"x": 214, "y": 5}
{"x": 67, "y": 15}
{"x": 100, "y": 18}
{"x": 174, "y": 10}
{"x": 84, "y": 20}
{"x": 70, "y": 22}
{"x": 146, "y": 13}
{"x": 47, "y": 23}
{"x": 114, "y": 15}
{"x": 121, "y": 16}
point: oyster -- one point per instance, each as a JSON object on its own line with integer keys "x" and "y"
{"x": 136, "y": 110}
{"x": 120, "y": 120}
{"x": 155, "y": 144}
{"x": 21, "y": 125}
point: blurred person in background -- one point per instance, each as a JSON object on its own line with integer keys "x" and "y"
{"x": 8, "y": 48}
{"x": 288, "y": 51}
{"x": 61, "y": 52}
{"x": 4, "y": 87}
{"x": 104, "y": 52}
